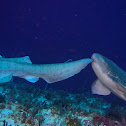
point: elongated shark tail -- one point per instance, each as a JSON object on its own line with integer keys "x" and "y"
{"x": 69, "y": 60}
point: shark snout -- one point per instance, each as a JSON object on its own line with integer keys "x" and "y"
{"x": 94, "y": 57}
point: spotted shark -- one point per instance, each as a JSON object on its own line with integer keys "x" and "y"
{"x": 111, "y": 78}
{"x": 22, "y": 67}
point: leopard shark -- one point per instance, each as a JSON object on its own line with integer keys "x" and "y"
{"x": 22, "y": 67}
{"x": 111, "y": 78}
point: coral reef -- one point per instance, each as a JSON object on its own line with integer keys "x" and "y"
{"x": 73, "y": 122}
{"x": 100, "y": 120}
{"x": 27, "y": 105}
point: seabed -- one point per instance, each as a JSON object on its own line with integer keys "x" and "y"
{"x": 23, "y": 104}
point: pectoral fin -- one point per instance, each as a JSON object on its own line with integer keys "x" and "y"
{"x": 99, "y": 88}
{"x": 120, "y": 91}
{"x": 5, "y": 79}
{"x": 31, "y": 79}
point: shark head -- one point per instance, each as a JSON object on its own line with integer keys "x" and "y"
{"x": 111, "y": 78}
{"x": 99, "y": 63}
{"x": 99, "y": 59}
{"x": 106, "y": 66}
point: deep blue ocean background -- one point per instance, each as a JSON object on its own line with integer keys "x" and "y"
{"x": 56, "y": 30}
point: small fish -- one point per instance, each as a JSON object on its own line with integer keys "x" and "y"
{"x": 111, "y": 78}
{"x": 22, "y": 67}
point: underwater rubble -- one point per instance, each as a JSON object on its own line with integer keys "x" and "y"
{"x": 24, "y": 104}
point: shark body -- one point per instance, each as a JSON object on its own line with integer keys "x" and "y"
{"x": 111, "y": 78}
{"x": 23, "y": 68}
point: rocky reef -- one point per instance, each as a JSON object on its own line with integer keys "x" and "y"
{"x": 24, "y": 104}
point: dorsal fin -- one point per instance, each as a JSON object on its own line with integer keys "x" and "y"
{"x": 25, "y": 59}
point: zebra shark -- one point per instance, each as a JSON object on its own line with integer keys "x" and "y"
{"x": 22, "y": 67}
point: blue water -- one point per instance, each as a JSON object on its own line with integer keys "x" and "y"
{"x": 56, "y": 31}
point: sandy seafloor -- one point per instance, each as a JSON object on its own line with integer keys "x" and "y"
{"x": 24, "y": 104}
